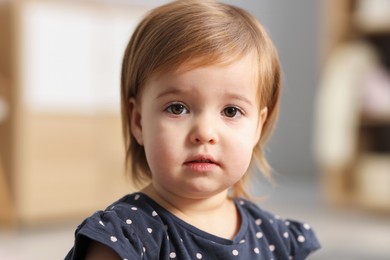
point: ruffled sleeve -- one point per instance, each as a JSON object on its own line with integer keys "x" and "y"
{"x": 285, "y": 238}
{"x": 301, "y": 238}
{"x": 107, "y": 228}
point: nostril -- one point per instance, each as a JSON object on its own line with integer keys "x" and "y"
{"x": 198, "y": 140}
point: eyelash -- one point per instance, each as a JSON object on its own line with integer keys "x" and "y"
{"x": 236, "y": 110}
{"x": 183, "y": 110}
{"x": 172, "y": 106}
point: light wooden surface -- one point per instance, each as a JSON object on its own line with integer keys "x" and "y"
{"x": 72, "y": 166}
{"x": 60, "y": 165}
{"x": 7, "y": 214}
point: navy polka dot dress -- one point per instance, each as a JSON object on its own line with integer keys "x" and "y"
{"x": 136, "y": 227}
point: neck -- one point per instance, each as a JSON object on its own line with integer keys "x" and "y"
{"x": 216, "y": 214}
{"x": 180, "y": 205}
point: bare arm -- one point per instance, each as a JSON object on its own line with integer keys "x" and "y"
{"x": 98, "y": 251}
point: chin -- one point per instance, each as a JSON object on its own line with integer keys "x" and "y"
{"x": 202, "y": 192}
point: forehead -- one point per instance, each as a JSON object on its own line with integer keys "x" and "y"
{"x": 236, "y": 78}
{"x": 248, "y": 61}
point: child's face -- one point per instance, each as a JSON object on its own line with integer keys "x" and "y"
{"x": 199, "y": 127}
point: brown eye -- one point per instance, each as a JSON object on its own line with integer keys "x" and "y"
{"x": 231, "y": 112}
{"x": 176, "y": 109}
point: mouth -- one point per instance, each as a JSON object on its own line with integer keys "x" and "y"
{"x": 202, "y": 159}
{"x": 202, "y": 163}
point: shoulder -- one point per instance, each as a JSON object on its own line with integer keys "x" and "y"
{"x": 125, "y": 227}
{"x": 298, "y": 238}
{"x": 133, "y": 213}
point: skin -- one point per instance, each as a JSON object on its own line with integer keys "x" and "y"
{"x": 198, "y": 128}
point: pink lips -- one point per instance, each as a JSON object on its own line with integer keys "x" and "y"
{"x": 201, "y": 164}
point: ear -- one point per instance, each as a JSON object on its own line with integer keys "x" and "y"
{"x": 263, "y": 115}
{"x": 135, "y": 121}
{"x": 262, "y": 119}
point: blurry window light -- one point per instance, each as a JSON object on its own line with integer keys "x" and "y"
{"x": 373, "y": 15}
{"x": 71, "y": 56}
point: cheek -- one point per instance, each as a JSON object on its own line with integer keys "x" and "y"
{"x": 161, "y": 145}
{"x": 243, "y": 153}
{"x": 240, "y": 150}
{"x": 247, "y": 136}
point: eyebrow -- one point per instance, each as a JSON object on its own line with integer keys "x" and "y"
{"x": 239, "y": 97}
{"x": 170, "y": 91}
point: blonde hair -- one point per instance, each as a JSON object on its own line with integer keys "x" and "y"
{"x": 198, "y": 33}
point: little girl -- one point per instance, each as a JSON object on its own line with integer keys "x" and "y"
{"x": 200, "y": 93}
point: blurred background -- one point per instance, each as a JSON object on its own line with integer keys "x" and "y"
{"x": 61, "y": 151}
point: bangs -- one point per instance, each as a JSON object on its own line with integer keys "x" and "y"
{"x": 197, "y": 36}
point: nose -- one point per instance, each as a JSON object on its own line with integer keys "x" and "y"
{"x": 204, "y": 131}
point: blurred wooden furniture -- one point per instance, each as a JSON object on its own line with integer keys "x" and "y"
{"x": 353, "y": 129}
{"x": 7, "y": 213}
{"x": 62, "y": 148}
{"x": 7, "y": 210}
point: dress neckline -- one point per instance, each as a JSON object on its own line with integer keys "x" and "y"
{"x": 199, "y": 232}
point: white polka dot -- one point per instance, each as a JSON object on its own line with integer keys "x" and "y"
{"x": 199, "y": 256}
{"x": 291, "y": 258}
{"x": 124, "y": 258}
{"x": 306, "y": 226}
{"x": 136, "y": 197}
{"x": 285, "y": 234}
{"x": 242, "y": 241}
{"x": 134, "y": 208}
{"x": 242, "y": 202}
{"x": 258, "y": 221}
{"x": 271, "y": 221}
{"x": 301, "y": 239}
{"x": 144, "y": 249}
{"x": 150, "y": 230}
{"x": 235, "y": 252}
{"x": 172, "y": 255}
{"x": 287, "y": 223}
{"x": 128, "y": 221}
{"x": 272, "y": 248}
{"x": 259, "y": 235}
{"x": 113, "y": 239}
{"x": 101, "y": 223}
{"x": 257, "y": 251}
{"x": 154, "y": 213}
